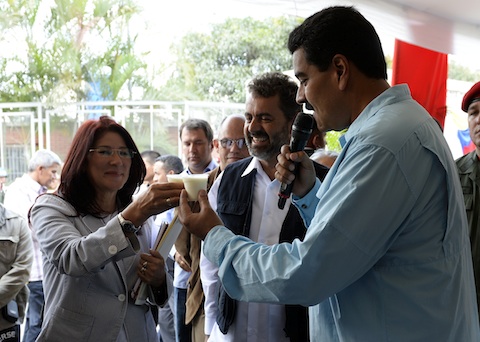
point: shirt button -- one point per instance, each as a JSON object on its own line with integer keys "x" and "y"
{"x": 304, "y": 206}
{"x": 112, "y": 249}
{"x": 121, "y": 297}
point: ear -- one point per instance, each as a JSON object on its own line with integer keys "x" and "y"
{"x": 171, "y": 172}
{"x": 341, "y": 66}
{"x": 216, "y": 143}
{"x": 318, "y": 142}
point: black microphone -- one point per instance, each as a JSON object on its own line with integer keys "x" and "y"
{"x": 301, "y": 130}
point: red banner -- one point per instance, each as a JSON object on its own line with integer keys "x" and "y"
{"x": 425, "y": 71}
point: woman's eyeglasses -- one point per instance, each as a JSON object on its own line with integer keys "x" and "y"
{"x": 227, "y": 143}
{"x": 108, "y": 152}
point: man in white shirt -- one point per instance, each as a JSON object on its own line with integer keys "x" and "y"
{"x": 43, "y": 170}
{"x": 245, "y": 195}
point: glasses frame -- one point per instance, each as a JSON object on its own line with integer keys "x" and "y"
{"x": 228, "y": 143}
{"x": 108, "y": 152}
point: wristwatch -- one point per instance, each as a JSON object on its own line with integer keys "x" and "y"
{"x": 127, "y": 226}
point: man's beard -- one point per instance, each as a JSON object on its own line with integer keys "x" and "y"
{"x": 272, "y": 150}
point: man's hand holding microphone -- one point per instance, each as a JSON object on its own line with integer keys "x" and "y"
{"x": 287, "y": 167}
{"x": 295, "y": 168}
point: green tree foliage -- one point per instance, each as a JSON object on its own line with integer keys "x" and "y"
{"x": 462, "y": 73}
{"x": 389, "y": 61}
{"x": 214, "y": 66}
{"x": 332, "y": 140}
{"x": 70, "y": 45}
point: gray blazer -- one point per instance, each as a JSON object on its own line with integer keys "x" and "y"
{"x": 89, "y": 269}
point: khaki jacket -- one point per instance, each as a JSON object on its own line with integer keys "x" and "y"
{"x": 189, "y": 247}
{"x": 16, "y": 257}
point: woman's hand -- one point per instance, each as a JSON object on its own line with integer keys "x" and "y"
{"x": 158, "y": 198}
{"x": 151, "y": 269}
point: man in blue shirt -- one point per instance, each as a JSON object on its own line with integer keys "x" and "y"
{"x": 386, "y": 256}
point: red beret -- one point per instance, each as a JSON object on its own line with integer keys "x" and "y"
{"x": 471, "y": 95}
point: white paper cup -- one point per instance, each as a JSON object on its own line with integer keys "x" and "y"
{"x": 175, "y": 178}
{"x": 194, "y": 183}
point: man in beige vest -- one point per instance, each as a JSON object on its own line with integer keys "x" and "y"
{"x": 230, "y": 147}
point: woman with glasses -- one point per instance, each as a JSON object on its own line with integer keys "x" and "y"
{"x": 95, "y": 240}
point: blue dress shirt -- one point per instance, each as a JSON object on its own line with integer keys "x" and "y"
{"x": 387, "y": 255}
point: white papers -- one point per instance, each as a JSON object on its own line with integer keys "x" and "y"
{"x": 167, "y": 235}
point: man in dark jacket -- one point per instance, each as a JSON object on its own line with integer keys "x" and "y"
{"x": 245, "y": 196}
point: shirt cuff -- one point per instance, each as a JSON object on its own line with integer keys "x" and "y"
{"x": 309, "y": 199}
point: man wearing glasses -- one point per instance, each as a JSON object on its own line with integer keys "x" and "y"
{"x": 230, "y": 145}
{"x": 245, "y": 196}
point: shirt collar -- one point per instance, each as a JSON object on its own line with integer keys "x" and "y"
{"x": 391, "y": 95}
{"x": 209, "y": 167}
{"x": 253, "y": 165}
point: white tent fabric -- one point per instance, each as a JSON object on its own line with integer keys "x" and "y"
{"x": 451, "y": 27}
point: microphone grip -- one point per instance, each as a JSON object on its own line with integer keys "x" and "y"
{"x": 284, "y": 193}
{"x": 282, "y": 198}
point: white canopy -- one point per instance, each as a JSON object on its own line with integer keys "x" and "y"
{"x": 446, "y": 26}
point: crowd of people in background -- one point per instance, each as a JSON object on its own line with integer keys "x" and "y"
{"x": 376, "y": 242}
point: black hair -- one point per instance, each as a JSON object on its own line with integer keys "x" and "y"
{"x": 340, "y": 30}
{"x": 275, "y": 83}
{"x": 171, "y": 162}
{"x": 192, "y": 124}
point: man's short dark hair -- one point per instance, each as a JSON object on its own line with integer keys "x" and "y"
{"x": 340, "y": 30}
{"x": 275, "y": 83}
{"x": 171, "y": 162}
{"x": 150, "y": 155}
{"x": 192, "y": 124}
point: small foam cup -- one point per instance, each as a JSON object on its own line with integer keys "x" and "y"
{"x": 194, "y": 183}
{"x": 175, "y": 178}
